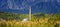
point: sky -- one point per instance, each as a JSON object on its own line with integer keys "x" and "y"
{"x": 37, "y": 6}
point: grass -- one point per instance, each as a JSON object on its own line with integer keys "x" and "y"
{"x": 46, "y": 20}
{"x": 40, "y": 23}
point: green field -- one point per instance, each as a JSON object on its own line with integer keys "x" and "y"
{"x": 37, "y": 20}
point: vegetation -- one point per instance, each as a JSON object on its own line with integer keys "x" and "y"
{"x": 38, "y": 20}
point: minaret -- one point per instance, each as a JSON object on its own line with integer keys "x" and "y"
{"x": 30, "y": 13}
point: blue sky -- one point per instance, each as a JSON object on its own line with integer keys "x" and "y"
{"x": 22, "y": 6}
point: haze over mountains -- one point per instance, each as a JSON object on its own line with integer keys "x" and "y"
{"x": 22, "y": 6}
